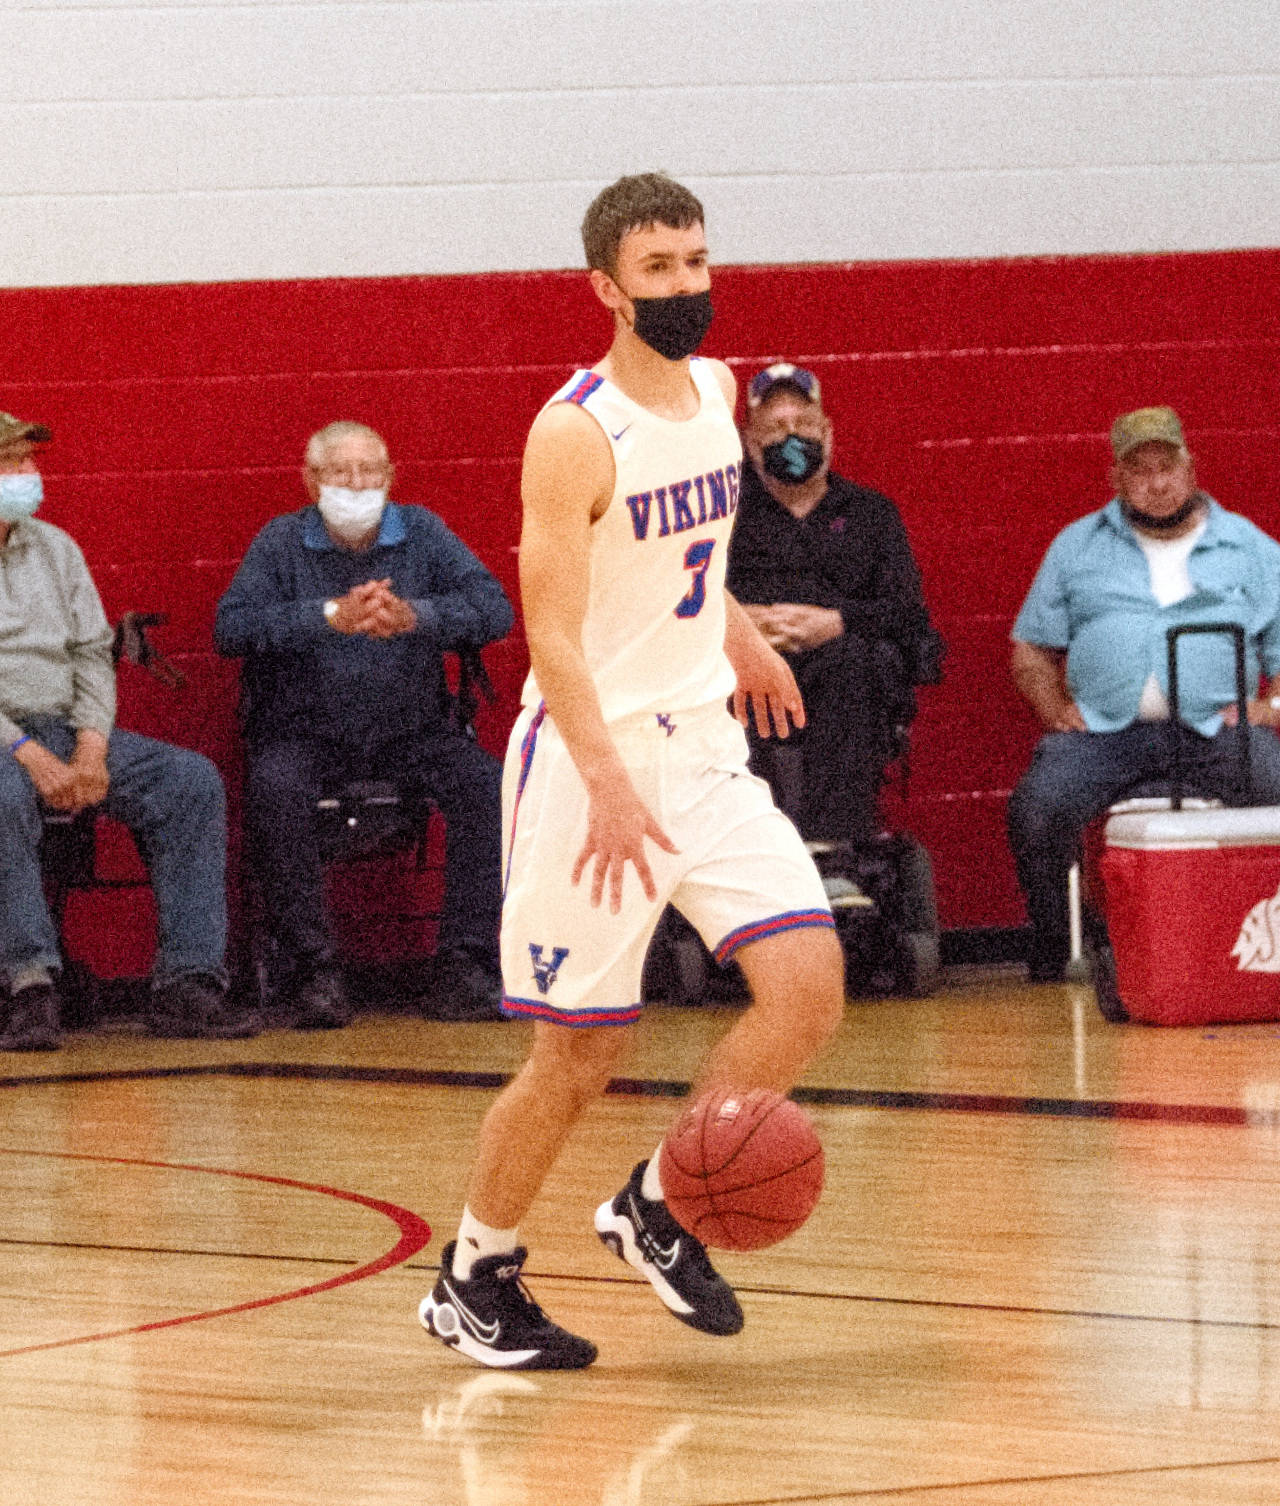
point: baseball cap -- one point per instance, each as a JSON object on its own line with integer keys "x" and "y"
{"x": 783, "y": 374}
{"x": 1143, "y": 425}
{"x": 13, "y": 429}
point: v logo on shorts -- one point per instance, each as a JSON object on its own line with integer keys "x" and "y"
{"x": 544, "y": 972}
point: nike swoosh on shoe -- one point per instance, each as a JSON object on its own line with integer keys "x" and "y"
{"x": 487, "y": 1332}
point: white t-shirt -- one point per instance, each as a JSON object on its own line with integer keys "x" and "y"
{"x": 1168, "y": 561}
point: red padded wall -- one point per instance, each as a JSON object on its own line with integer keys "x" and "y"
{"x": 978, "y": 394}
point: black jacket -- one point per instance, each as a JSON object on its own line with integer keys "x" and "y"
{"x": 851, "y": 553}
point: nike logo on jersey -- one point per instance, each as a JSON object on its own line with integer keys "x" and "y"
{"x": 685, "y": 504}
{"x": 487, "y": 1333}
{"x": 620, "y": 432}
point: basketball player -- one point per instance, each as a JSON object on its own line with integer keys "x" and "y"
{"x": 626, "y": 783}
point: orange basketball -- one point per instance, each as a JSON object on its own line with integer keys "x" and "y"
{"x": 740, "y": 1171}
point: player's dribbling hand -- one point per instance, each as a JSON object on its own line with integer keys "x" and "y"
{"x": 617, "y": 825}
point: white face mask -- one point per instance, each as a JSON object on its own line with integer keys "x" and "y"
{"x": 20, "y": 495}
{"x": 351, "y": 515}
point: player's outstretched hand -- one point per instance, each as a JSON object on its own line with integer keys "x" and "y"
{"x": 617, "y": 824}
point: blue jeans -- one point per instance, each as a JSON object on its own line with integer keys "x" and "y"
{"x": 1075, "y": 776}
{"x": 173, "y": 802}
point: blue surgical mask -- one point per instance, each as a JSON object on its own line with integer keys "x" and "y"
{"x": 20, "y": 494}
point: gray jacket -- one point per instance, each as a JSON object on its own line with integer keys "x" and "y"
{"x": 55, "y": 643}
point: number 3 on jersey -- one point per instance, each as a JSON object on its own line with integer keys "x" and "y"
{"x": 697, "y": 557}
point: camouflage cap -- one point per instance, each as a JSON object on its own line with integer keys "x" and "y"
{"x": 14, "y": 429}
{"x": 1144, "y": 425}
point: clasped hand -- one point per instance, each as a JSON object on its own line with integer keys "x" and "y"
{"x": 374, "y": 610}
{"x": 793, "y": 626}
{"x": 67, "y": 785}
{"x": 1261, "y": 714}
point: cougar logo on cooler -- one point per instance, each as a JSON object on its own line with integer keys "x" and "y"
{"x": 1258, "y": 944}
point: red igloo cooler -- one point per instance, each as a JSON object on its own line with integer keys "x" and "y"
{"x": 1193, "y": 914}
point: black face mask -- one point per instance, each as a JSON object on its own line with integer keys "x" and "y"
{"x": 793, "y": 460}
{"x": 1166, "y": 524}
{"x": 675, "y": 326}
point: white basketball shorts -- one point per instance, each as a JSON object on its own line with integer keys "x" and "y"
{"x": 741, "y": 872}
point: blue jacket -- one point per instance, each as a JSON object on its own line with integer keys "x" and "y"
{"x": 301, "y": 678}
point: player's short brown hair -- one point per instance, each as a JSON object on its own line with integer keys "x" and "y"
{"x": 631, "y": 204}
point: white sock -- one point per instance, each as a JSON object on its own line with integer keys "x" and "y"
{"x": 476, "y": 1240}
{"x": 650, "y": 1183}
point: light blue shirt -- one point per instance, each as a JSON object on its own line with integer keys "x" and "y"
{"x": 1092, "y": 597}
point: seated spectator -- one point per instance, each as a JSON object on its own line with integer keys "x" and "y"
{"x": 342, "y": 611}
{"x": 824, "y": 569}
{"x": 1090, "y": 656}
{"x": 64, "y": 753}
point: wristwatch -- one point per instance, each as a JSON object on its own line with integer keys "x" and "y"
{"x": 330, "y": 610}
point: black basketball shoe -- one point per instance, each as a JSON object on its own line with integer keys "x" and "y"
{"x": 491, "y": 1318}
{"x": 645, "y": 1235}
{"x": 34, "y": 1022}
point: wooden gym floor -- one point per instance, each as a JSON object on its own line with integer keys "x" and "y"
{"x": 1045, "y": 1272}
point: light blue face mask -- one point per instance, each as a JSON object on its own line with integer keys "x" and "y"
{"x": 20, "y": 495}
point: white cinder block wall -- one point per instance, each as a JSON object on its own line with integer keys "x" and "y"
{"x": 173, "y": 140}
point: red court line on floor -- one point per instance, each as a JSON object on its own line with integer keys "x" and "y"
{"x": 414, "y": 1234}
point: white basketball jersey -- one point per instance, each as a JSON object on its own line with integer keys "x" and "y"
{"x": 654, "y": 629}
